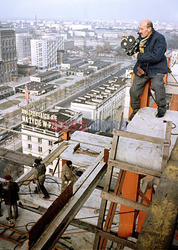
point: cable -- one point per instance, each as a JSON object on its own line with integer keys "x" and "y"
{"x": 26, "y": 226}
{"x": 173, "y": 126}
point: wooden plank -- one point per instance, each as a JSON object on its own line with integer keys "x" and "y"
{"x": 171, "y": 89}
{"x": 110, "y": 236}
{"x": 124, "y": 201}
{"x": 103, "y": 205}
{"x": 166, "y": 145}
{"x": 54, "y": 154}
{"x": 76, "y": 147}
{"x": 56, "y": 228}
{"x": 140, "y": 137}
{"x": 114, "y": 147}
{"x": 17, "y": 157}
{"x": 134, "y": 169}
{"x": 106, "y": 188}
{"x": 112, "y": 208}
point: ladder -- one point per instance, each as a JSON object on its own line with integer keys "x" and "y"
{"x": 134, "y": 200}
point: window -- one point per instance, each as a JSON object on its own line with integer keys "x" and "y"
{"x": 39, "y": 149}
{"x": 50, "y": 143}
{"x": 29, "y": 138}
{"x": 50, "y": 170}
{"x": 29, "y": 146}
{"x": 39, "y": 140}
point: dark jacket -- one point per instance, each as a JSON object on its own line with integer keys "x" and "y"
{"x": 39, "y": 174}
{"x": 11, "y": 193}
{"x": 153, "y": 55}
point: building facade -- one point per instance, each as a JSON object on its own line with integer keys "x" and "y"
{"x": 8, "y": 58}
{"x": 23, "y": 45}
{"x": 103, "y": 104}
{"x": 44, "y": 51}
{"x": 6, "y": 91}
{"x": 42, "y": 129}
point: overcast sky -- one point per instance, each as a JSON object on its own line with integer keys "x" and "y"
{"x": 124, "y": 10}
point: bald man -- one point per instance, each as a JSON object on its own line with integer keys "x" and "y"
{"x": 152, "y": 60}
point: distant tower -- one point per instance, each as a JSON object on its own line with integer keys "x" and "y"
{"x": 36, "y": 20}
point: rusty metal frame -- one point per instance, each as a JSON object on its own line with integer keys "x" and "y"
{"x": 39, "y": 227}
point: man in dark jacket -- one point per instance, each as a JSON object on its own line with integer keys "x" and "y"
{"x": 11, "y": 197}
{"x": 151, "y": 59}
{"x": 39, "y": 177}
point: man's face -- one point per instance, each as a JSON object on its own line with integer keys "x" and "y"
{"x": 143, "y": 30}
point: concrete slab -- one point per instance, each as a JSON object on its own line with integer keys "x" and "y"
{"x": 145, "y": 154}
{"x": 91, "y": 143}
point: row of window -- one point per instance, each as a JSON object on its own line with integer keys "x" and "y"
{"x": 7, "y": 43}
{"x": 40, "y": 149}
{"x": 29, "y": 138}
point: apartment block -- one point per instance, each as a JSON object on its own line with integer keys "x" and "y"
{"x": 23, "y": 45}
{"x": 8, "y": 59}
{"x": 44, "y": 51}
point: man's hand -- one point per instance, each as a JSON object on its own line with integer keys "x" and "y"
{"x": 135, "y": 55}
{"x": 65, "y": 182}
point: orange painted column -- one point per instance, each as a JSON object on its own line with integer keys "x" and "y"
{"x": 174, "y": 103}
{"x": 142, "y": 215}
{"x": 129, "y": 191}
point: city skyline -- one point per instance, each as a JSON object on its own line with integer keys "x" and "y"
{"x": 108, "y": 10}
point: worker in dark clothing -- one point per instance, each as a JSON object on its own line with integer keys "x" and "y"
{"x": 67, "y": 175}
{"x": 11, "y": 197}
{"x": 39, "y": 178}
{"x": 151, "y": 65}
{"x": 1, "y": 196}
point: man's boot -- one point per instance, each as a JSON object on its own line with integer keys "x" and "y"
{"x": 161, "y": 111}
{"x": 133, "y": 113}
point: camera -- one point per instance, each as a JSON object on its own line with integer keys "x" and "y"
{"x": 130, "y": 45}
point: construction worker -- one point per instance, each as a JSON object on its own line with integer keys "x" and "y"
{"x": 39, "y": 178}
{"x": 11, "y": 197}
{"x": 151, "y": 65}
{"x": 67, "y": 175}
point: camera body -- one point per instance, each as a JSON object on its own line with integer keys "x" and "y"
{"x": 130, "y": 45}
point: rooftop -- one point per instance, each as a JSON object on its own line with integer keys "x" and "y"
{"x": 101, "y": 93}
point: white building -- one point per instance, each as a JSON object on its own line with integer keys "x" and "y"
{"x": 41, "y": 129}
{"x": 102, "y": 104}
{"x": 44, "y": 51}
{"x": 23, "y": 45}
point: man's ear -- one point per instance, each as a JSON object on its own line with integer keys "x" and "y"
{"x": 149, "y": 29}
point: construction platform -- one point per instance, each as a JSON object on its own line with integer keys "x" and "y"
{"x": 82, "y": 208}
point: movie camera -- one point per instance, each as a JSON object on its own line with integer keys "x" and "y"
{"x": 130, "y": 45}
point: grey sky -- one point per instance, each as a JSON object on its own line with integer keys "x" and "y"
{"x": 161, "y": 10}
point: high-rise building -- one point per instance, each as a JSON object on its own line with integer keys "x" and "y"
{"x": 23, "y": 45}
{"x": 44, "y": 51}
{"x": 8, "y": 59}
